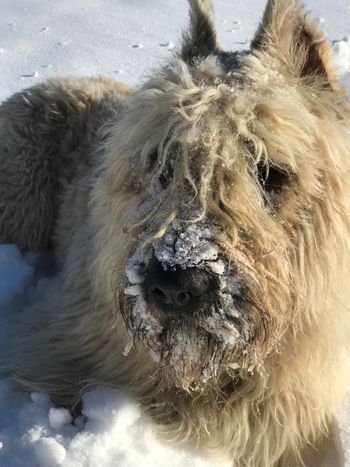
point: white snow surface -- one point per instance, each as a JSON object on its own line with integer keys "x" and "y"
{"x": 111, "y": 432}
{"x": 123, "y": 39}
{"x": 342, "y": 55}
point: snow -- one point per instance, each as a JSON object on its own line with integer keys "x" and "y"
{"x": 342, "y": 55}
{"x": 123, "y": 40}
{"x": 15, "y": 272}
{"x": 49, "y": 452}
{"x": 186, "y": 246}
{"x": 59, "y": 418}
{"x": 91, "y": 37}
{"x": 111, "y": 432}
{"x": 344, "y": 430}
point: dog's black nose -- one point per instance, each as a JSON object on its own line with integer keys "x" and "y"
{"x": 181, "y": 289}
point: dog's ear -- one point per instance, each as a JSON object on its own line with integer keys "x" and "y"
{"x": 287, "y": 34}
{"x": 200, "y": 40}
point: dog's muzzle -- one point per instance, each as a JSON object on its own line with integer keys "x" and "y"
{"x": 178, "y": 289}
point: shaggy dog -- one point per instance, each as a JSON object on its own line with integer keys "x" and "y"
{"x": 201, "y": 230}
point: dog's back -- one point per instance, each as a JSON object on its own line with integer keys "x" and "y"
{"x": 48, "y": 135}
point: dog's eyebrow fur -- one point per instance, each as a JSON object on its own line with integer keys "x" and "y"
{"x": 201, "y": 39}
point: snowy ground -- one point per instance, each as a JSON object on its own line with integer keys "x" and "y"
{"x": 123, "y": 39}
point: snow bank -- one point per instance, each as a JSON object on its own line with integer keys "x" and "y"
{"x": 344, "y": 430}
{"x": 112, "y": 432}
{"x": 15, "y": 272}
{"x": 40, "y": 39}
{"x": 342, "y": 55}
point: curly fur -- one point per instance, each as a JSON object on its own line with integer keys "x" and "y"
{"x": 81, "y": 165}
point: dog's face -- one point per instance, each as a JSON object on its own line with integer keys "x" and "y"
{"x": 231, "y": 189}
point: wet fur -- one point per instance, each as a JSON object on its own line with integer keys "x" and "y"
{"x": 77, "y": 164}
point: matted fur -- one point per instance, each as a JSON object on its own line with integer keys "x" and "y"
{"x": 119, "y": 168}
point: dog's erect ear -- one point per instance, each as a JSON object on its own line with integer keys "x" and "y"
{"x": 200, "y": 40}
{"x": 287, "y": 34}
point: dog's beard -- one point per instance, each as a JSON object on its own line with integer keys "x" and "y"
{"x": 222, "y": 336}
{"x": 191, "y": 354}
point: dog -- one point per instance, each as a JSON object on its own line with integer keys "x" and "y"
{"x": 200, "y": 227}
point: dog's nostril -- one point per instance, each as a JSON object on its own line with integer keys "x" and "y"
{"x": 168, "y": 297}
{"x": 184, "y": 299}
{"x": 181, "y": 289}
{"x": 159, "y": 295}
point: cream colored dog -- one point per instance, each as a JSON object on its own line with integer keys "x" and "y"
{"x": 201, "y": 230}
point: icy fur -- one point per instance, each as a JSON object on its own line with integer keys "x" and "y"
{"x": 185, "y": 245}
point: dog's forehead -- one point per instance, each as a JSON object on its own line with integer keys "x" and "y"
{"x": 230, "y": 62}
{"x": 223, "y": 67}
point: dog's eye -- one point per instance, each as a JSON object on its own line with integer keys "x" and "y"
{"x": 271, "y": 179}
{"x": 167, "y": 173}
{"x": 166, "y": 176}
{"x": 153, "y": 159}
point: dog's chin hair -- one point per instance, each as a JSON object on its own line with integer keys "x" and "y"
{"x": 192, "y": 355}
